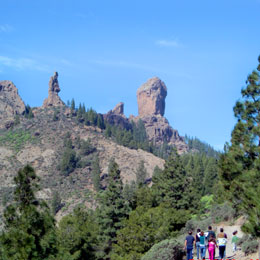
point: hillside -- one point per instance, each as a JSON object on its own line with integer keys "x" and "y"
{"x": 39, "y": 141}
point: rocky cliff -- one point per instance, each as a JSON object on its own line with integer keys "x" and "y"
{"x": 151, "y": 97}
{"x": 151, "y": 106}
{"x": 11, "y": 103}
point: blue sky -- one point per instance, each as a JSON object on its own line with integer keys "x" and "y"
{"x": 105, "y": 49}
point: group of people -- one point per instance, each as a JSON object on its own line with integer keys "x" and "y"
{"x": 203, "y": 240}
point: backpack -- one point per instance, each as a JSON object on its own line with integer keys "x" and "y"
{"x": 202, "y": 240}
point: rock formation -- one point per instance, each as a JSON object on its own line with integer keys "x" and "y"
{"x": 159, "y": 131}
{"x": 119, "y": 109}
{"x": 151, "y": 105}
{"x": 11, "y": 103}
{"x": 117, "y": 117}
{"x": 53, "y": 99}
{"x": 151, "y": 97}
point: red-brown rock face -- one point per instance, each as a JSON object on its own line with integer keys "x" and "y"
{"x": 53, "y": 97}
{"x": 151, "y": 97}
{"x": 11, "y": 103}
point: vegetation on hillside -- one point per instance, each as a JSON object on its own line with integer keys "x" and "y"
{"x": 120, "y": 226}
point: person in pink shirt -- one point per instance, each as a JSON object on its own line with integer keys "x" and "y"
{"x": 212, "y": 246}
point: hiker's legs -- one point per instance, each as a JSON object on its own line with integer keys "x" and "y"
{"x": 211, "y": 253}
{"x": 222, "y": 251}
{"x": 234, "y": 247}
{"x": 198, "y": 249}
{"x": 189, "y": 253}
{"x": 203, "y": 251}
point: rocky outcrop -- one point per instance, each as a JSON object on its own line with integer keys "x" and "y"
{"x": 117, "y": 117}
{"x": 159, "y": 131}
{"x": 11, "y": 103}
{"x": 53, "y": 99}
{"x": 119, "y": 109}
{"x": 151, "y": 105}
{"x": 151, "y": 97}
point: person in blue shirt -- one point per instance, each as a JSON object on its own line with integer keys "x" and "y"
{"x": 189, "y": 242}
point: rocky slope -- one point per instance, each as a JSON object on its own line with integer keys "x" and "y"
{"x": 40, "y": 142}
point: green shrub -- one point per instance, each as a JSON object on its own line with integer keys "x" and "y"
{"x": 194, "y": 224}
{"x": 223, "y": 212}
{"x": 16, "y": 139}
{"x": 165, "y": 250}
{"x": 243, "y": 239}
{"x": 69, "y": 161}
{"x": 250, "y": 246}
{"x": 86, "y": 147}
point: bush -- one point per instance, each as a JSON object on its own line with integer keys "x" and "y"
{"x": 165, "y": 250}
{"x": 243, "y": 239}
{"x": 69, "y": 161}
{"x": 194, "y": 224}
{"x": 223, "y": 212}
{"x": 86, "y": 148}
{"x": 250, "y": 246}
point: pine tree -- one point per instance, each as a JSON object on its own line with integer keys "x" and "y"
{"x": 80, "y": 113}
{"x": 198, "y": 177}
{"x": 240, "y": 163}
{"x": 77, "y": 235}
{"x": 100, "y": 122}
{"x": 113, "y": 209}
{"x": 95, "y": 174}
{"x": 28, "y": 112}
{"x": 72, "y": 107}
{"x": 29, "y": 231}
{"x": 171, "y": 187}
{"x": 210, "y": 176}
{"x": 56, "y": 203}
{"x": 108, "y": 131}
{"x": 141, "y": 174}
